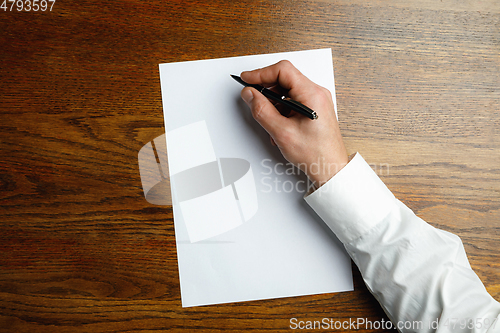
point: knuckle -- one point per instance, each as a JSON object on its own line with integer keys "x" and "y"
{"x": 258, "y": 111}
{"x": 327, "y": 93}
{"x": 285, "y": 63}
{"x": 323, "y": 92}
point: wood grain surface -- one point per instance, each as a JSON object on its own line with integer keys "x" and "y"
{"x": 81, "y": 250}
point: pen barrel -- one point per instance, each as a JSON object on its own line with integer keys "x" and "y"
{"x": 272, "y": 95}
{"x": 294, "y": 105}
{"x": 288, "y": 102}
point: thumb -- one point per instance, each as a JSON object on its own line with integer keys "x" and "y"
{"x": 264, "y": 111}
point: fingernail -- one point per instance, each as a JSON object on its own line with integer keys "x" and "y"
{"x": 247, "y": 95}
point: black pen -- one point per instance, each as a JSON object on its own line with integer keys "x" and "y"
{"x": 294, "y": 105}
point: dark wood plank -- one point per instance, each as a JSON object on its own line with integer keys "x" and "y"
{"x": 80, "y": 248}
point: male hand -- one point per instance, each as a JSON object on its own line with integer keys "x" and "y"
{"x": 314, "y": 146}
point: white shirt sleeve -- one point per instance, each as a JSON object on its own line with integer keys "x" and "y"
{"x": 419, "y": 274}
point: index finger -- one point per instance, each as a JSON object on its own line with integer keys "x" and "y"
{"x": 282, "y": 73}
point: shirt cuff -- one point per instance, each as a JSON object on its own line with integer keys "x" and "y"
{"x": 352, "y": 202}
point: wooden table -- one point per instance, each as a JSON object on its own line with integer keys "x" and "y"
{"x": 82, "y": 251}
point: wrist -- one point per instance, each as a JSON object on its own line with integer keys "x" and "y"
{"x": 320, "y": 173}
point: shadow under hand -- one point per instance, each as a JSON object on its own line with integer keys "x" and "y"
{"x": 259, "y": 131}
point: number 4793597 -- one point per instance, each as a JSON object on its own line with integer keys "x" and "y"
{"x": 27, "y": 5}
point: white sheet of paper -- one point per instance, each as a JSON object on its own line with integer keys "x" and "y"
{"x": 242, "y": 228}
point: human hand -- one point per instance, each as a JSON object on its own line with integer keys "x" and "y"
{"x": 314, "y": 146}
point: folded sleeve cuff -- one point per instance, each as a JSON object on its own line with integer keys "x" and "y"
{"x": 354, "y": 201}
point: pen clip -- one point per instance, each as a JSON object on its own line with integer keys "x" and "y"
{"x": 302, "y": 106}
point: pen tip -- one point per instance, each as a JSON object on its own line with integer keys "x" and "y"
{"x": 238, "y": 79}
